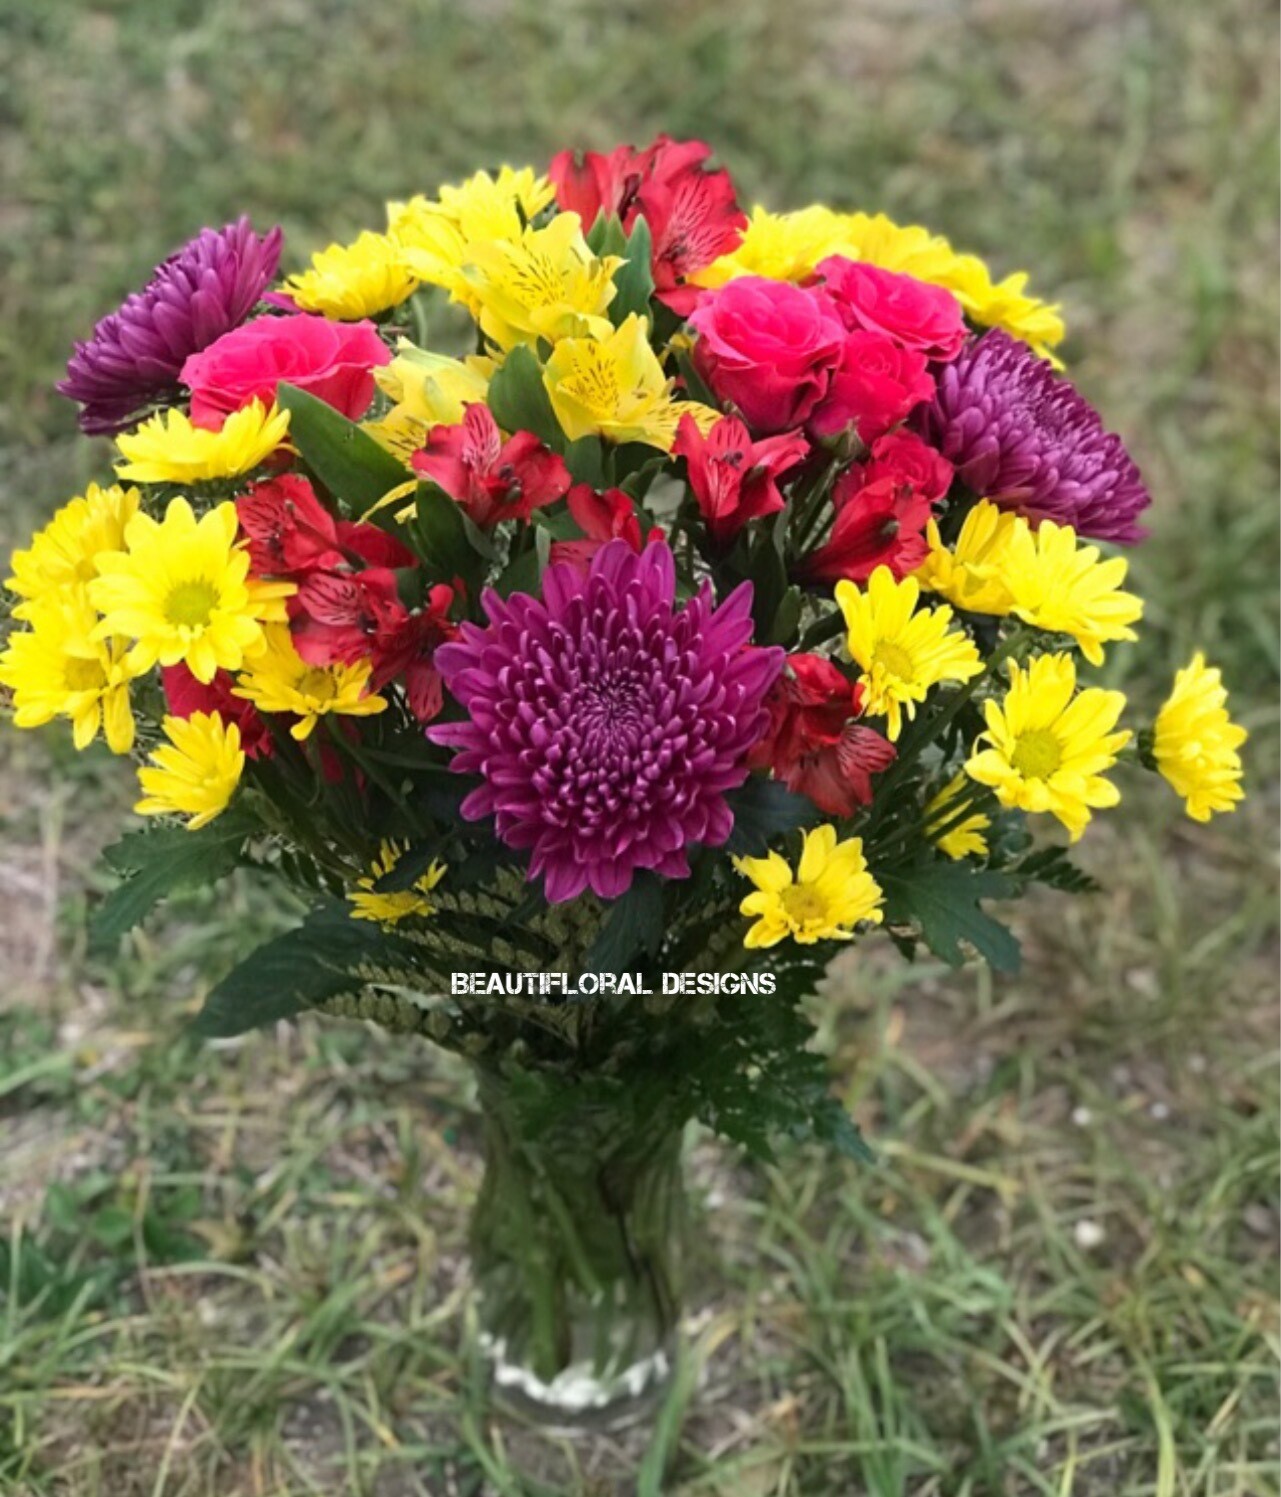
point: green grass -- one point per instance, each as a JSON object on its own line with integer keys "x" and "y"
{"x": 238, "y": 1270}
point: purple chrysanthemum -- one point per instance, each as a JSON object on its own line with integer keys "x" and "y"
{"x": 198, "y": 294}
{"x": 1024, "y": 437}
{"x": 607, "y": 723}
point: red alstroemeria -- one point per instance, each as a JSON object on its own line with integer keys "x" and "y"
{"x": 185, "y": 695}
{"x": 812, "y": 745}
{"x": 601, "y": 517}
{"x": 733, "y": 478}
{"x": 491, "y": 479}
{"x": 882, "y": 507}
{"x": 692, "y": 211}
{"x": 288, "y": 529}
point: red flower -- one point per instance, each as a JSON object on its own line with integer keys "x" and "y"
{"x": 873, "y": 388}
{"x": 899, "y": 461}
{"x": 692, "y": 212}
{"x": 334, "y": 361}
{"x": 913, "y": 313}
{"x": 601, "y": 517}
{"x": 733, "y": 478}
{"x": 879, "y": 522}
{"x": 493, "y": 480}
{"x": 288, "y": 528}
{"x": 812, "y": 745}
{"x": 185, "y": 695}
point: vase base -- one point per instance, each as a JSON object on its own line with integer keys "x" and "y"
{"x": 578, "y": 1400}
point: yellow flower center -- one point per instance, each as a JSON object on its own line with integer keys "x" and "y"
{"x": 82, "y": 675}
{"x": 191, "y": 604}
{"x": 1037, "y": 754}
{"x": 802, "y": 903}
{"x": 317, "y": 685}
{"x": 894, "y": 659}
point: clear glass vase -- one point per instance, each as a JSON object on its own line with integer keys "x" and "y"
{"x": 577, "y": 1242}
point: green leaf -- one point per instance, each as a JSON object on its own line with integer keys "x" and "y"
{"x": 519, "y": 399}
{"x": 763, "y": 809}
{"x": 162, "y": 861}
{"x": 606, "y": 237}
{"x": 787, "y": 616}
{"x": 585, "y": 460}
{"x": 449, "y": 548}
{"x": 324, "y": 957}
{"x": 634, "y": 926}
{"x": 634, "y": 280}
{"x": 1052, "y": 866}
{"x": 347, "y": 460}
{"x": 521, "y": 574}
{"x": 942, "y": 898}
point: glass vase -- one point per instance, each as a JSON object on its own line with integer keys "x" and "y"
{"x": 577, "y": 1242}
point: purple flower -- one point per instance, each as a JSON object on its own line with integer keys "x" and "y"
{"x": 1024, "y": 437}
{"x": 605, "y": 722}
{"x": 135, "y": 353}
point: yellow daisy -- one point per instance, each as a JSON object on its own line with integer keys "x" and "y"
{"x": 1195, "y": 742}
{"x": 57, "y": 668}
{"x": 169, "y": 448}
{"x": 181, "y": 590}
{"x": 957, "y": 838}
{"x": 280, "y": 680}
{"x": 781, "y": 246}
{"x": 614, "y": 387}
{"x": 368, "y": 903}
{"x": 351, "y": 281}
{"x": 903, "y": 653}
{"x": 972, "y": 574}
{"x": 828, "y": 895}
{"x": 544, "y": 284}
{"x": 65, "y": 553}
{"x": 1064, "y": 588}
{"x": 196, "y": 773}
{"x": 1048, "y": 746}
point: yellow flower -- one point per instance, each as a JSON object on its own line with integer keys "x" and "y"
{"x": 903, "y": 653}
{"x": 181, "y": 589}
{"x": 830, "y": 892}
{"x": 170, "y": 449}
{"x": 957, "y": 838}
{"x": 350, "y": 281}
{"x": 196, "y": 773}
{"x": 908, "y": 249}
{"x": 544, "y": 284}
{"x": 1048, "y": 749}
{"x": 426, "y": 390}
{"x": 972, "y": 576}
{"x": 781, "y": 246}
{"x": 57, "y": 668}
{"x": 368, "y": 903}
{"x": 1195, "y": 742}
{"x": 614, "y": 387}
{"x": 1064, "y": 588}
{"x": 65, "y": 553}
{"x": 280, "y": 680}
{"x": 431, "y": 245}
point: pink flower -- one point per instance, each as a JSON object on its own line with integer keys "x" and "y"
{"x": 493, "y": 480}
{"x": 913, "y": 313}
{"x": 602, "y": 517}
{"x": 185, "y": 695}
{"x": 812, "y": 745}
{"x": 733, "y": 478}
{"x": 875, "y": 386}
{"x": 692, "y": 212}
{"x": 334, "y": 361}
{"x": 769, "y": 349}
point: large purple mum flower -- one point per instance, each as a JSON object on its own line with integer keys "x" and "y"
{"x": 195, "y": 296}
{"x": 1024, "y": 437}
{"x": 606, "y": 723}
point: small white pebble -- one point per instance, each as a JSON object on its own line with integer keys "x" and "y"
{"x": 1082, "y": 1117}
{"x": 1159, "y": 1111}
{"x": 1088, "y": 1234}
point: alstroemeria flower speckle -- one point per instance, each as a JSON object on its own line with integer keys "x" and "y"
{"x": 606, "y": 722}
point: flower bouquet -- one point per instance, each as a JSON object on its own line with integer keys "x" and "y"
{"x": 604, "y": 605}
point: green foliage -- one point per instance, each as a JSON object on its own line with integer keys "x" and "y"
{"x": 519, "y": 400}
{"x": 160, "y": 861}
{"x": 942, "y": 901}
{"x": 763, "y": 810}
{"x": 633, "y": 281}
{"x": 451, "y": 547}
{"x": 634, "y": 927}
{"x": 350, "y": 464}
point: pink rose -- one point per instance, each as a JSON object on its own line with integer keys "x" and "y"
{"x": 897, "y": 463}
{"x": 334, "y": 361}
{"x": 875, "y": 386}
{"x": 767, "y": 348}
{"x": 913, "y": 313}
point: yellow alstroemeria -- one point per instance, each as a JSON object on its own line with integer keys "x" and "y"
{"x": 426, "y": 390}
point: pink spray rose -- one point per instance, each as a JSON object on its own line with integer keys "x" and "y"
{"x": 876, "y": 385}
{"x": 334, "y": 361}
{"x": 913, "y": 313}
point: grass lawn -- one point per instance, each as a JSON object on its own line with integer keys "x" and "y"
{"x": 238, "y": 1269}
